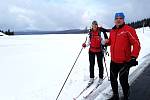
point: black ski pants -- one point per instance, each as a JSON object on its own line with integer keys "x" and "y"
{"x": 123, "y": 71}
{"x": 99, "y": 56}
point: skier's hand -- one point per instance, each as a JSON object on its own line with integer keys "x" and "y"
{"x": 83, "y": 45}
{"x": 132, "y": 62}
{"x": 106, "y": 41}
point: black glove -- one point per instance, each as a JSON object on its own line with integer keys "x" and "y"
{"x": 132, "y": 62}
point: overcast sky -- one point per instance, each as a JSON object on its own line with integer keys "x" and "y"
{"x": 67, "y": 14}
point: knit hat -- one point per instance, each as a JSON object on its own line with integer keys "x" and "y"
{"x": 94, "y": 23}
{"x": 121, "y": 14}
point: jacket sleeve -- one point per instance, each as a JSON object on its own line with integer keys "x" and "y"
{"x": 108, "y": 42}
{"x": 133, "y": 39}
{"x": 105, "y": 35}
{"x": 105, "y": 30}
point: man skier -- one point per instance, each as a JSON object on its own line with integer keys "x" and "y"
{"x": 94, "y": 41}
{"x": 124, "y": 48}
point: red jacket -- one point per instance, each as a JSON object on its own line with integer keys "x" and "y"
{"x": 121, "y": 41}
{"x": 95, "y": 41}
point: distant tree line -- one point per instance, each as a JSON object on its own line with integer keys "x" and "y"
{"x": 8, "y": 32}
{"x": 138, "y": 24}
{"x": 142, "y": 23}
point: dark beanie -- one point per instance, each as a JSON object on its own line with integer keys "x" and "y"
{"x": 94, "y": 23}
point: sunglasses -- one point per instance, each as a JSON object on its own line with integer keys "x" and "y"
{"x": 118, "y": 18}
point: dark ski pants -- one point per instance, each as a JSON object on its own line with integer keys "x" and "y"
{"x": 99, "y": 56}
{"x": 123, "y": 71}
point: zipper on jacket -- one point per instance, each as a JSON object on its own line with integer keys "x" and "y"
{"x": 115, "y": 42}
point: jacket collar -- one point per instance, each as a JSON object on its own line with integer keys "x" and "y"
{"x": 119, "y": 26}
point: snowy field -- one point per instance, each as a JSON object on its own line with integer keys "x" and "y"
{"x": 34, "y": 67}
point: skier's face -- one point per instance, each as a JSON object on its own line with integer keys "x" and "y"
{"x": 94, "y": 27}
{"x": 119, "y": 21}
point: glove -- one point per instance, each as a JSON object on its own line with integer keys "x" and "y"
{"x": 132, "y": 62}
{"x": 83, "y": 45}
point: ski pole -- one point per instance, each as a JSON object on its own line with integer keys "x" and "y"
{"x": 106, "y": 68}
{"x": 69, "y": 72}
